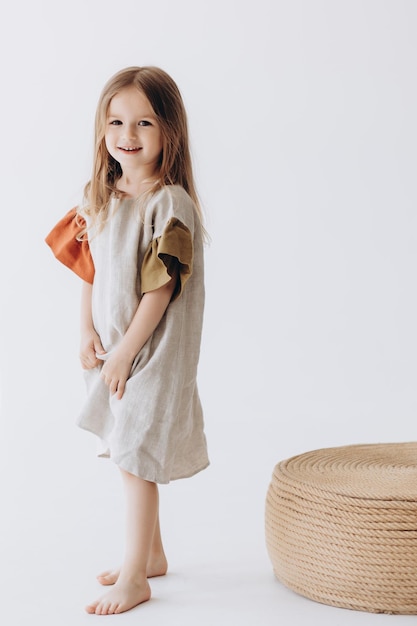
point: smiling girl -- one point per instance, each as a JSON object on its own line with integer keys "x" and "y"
{"x": 137, "y": 242}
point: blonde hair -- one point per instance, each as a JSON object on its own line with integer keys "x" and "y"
{"x": 175, "y": 162}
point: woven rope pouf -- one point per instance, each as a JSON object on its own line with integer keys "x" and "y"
{"x": 341, "y": 526}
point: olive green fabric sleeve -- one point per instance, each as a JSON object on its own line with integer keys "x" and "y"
{"x": 171, "y": 252}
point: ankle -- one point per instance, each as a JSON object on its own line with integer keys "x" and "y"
{"x": 133, "y": 576}
{"x": 156, "y": 555}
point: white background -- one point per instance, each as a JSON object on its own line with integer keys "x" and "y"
{"x": 303, "y": 125}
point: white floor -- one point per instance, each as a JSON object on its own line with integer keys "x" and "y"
{"x": 58, "y": 530}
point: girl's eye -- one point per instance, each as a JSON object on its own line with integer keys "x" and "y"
{"x": 144, "y": 123}
{"x": 115, "y": 123}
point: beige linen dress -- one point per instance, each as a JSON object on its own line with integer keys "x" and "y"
{"x": 156, "y": 430}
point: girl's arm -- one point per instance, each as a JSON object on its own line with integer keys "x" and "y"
{"x": 90, "y": 341}
{"x": 150, "y": 311}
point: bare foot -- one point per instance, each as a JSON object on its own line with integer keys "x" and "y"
{"x": 157, "y": 566}
{"x": 123, "y": 597}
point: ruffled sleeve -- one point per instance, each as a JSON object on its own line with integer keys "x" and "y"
{"x": 172, "y": 251}
{"x": 67, "y": 249}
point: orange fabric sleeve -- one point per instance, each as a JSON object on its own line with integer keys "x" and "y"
{"x": 67, "y": 249}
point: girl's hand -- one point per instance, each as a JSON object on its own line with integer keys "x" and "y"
{"x": 118, "y": 364}
{"x": 89, "y": 348}
{"x": 115, "y": 372}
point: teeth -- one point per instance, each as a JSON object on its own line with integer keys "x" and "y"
{"x": 130, "y": 149}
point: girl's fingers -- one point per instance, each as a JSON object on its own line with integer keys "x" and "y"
{"x": 115, "y": 386}
{"x": 89, "y": 360}
{"x": 98, "y": 348}
{"x": 120, "y": 390}
{"x": 111, "y": 383}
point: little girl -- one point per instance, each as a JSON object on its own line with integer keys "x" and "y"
{"x": 136, "y": 240}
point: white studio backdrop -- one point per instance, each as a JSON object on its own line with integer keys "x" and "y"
{"x": 303, "y": 126}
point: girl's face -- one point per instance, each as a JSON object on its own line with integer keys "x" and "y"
{"x": 133, "y": 136}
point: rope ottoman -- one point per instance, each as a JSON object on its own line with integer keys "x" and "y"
{"x": 341, "y": 526}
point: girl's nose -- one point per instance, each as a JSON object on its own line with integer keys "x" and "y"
{"x": 130, "y": 131}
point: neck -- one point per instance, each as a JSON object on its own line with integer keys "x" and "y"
{"x": 137, "y": 183}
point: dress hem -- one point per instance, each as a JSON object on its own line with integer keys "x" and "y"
{"x": 144, "y": 475}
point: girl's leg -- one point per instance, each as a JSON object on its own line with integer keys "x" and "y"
{"x": 157, "y": 563}
{"x": 132, "y": 587}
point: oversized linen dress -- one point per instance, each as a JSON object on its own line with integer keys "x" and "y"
{"x": 156, "y": 430}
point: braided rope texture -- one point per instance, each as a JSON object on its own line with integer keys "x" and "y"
{"x": 341, "y": 526}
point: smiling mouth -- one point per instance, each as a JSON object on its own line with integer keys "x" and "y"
{"x": 127, "y": 149}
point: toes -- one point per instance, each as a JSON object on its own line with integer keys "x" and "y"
{"x": 107, "y": 578}
{"x": 98, "y": 608}
{"x": 108, "y": 608}
{"x": 114, "y": 608}
{"x": 102, "y": 609}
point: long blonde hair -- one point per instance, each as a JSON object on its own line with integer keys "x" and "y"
{"x": 175, "y": 163}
